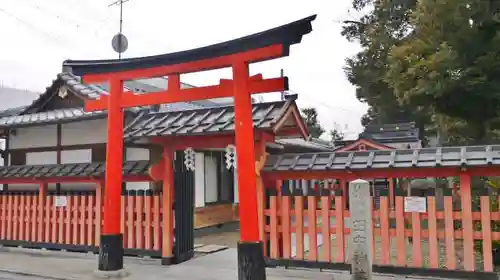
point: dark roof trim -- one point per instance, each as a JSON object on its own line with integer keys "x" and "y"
{"x": 75, "y": 170}
{"x": 460, "y": 157}
{"x": 286, "y": 35}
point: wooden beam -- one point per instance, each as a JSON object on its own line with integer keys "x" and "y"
{"x": 173, "y": 95}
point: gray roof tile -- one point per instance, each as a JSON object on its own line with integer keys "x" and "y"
{"x": 48, "y": 117}
{"x": 130, "y": 168}
{"x": 207, "y": 120}
{"x": 410, "y": 158}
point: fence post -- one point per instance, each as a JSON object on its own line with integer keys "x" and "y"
{"x": 42, "y": 196}
{"x": 361, "y": 230}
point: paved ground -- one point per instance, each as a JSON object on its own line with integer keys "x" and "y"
{"x": 24, "y": 264}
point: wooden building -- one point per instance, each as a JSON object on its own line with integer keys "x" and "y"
{"x": 55, "y": 130}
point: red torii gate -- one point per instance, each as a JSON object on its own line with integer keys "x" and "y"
{"x": 237, "y": 54}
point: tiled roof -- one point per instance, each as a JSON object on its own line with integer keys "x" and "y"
{"x": 387, "y": 133}
{"x": 411, "y": 158}
{"x": 12, "y": 111}
{"x": 74, "y": 83}
{"x": 50, "y": 117}
{"x": 28, "y": 115}
{"x": 207, "y": 120}
{"x": 130, "y": 168}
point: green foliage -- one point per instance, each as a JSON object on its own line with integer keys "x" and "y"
{"x": 310, "y": 116}
{"x": 386, "y": 25}
{"x": 435, "y": 62}
{"x": 450, "y": 66}
{"x": 336, "y": 135}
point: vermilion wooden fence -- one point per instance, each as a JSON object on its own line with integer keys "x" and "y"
{"x": 447, "y": 239}
{"x": 33, "y": 219}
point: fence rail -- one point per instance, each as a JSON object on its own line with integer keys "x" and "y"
{"x": 73, "y": 220}
{"x": 316, "y": 229}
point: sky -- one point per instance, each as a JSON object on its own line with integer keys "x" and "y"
{"x": 38, "y": 35}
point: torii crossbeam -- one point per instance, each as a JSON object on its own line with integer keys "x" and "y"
{"x": 237, "y": 54}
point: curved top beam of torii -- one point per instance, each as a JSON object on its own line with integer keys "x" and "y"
{"x": 281, "y": 38}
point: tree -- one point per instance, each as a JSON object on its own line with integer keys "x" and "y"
{"x": 336, "y": 135}
{"x": 386, "y": 25}
{"x": 450, "y": 66}
{"x": 310, "y": 116}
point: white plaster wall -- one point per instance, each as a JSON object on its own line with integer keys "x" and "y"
{"x": 84, "y": 132}
{"x": 137, "y": 154}
{"x": 210, "y": 180}
{"x": 31, "y": 137}
{"x": 199, "y": 180}
{"x": 76, "y": 156}
{"x": 34, "y": 158}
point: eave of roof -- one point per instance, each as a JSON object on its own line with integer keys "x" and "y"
{"x": 285, "y": 35}
{"x": 460, "y": 157}
{"x": 32, "y": 173}
{"x": 53, "y": 117}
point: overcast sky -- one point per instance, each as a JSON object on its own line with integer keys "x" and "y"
{"x": 37, "y": 35}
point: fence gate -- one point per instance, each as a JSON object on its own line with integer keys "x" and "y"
{"x": 183, "y": 210}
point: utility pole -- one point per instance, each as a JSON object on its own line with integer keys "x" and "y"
{"x": 121, "y": 40}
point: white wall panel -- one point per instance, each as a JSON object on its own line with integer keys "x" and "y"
{"x": 137, "y": 186}
{"x": 76, "y": 156}
{"x": 35, "y": 158}
{"x": 199, "y": 180}
{"x": 211, "y": 194}
{"x": 31, "y": 137}
{"x": 84, "y": 132}
{"x": 137, "y": 154}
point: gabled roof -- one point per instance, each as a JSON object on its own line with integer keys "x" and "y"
{"x": 32, "y": 115}
{"x": 392, "y": 133}
{"x": 274, "y": 116}
{"x": 368, "y": 143}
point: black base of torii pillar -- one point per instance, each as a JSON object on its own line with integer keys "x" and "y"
{"x": 251, "y": 264}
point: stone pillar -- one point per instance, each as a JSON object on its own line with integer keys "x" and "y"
{"x": 361, "y": 230}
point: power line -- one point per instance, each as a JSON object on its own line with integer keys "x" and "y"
{"x": 31, "y": 26}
